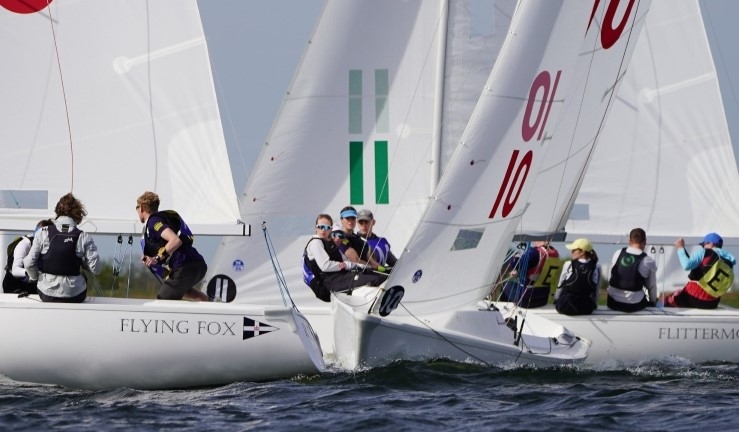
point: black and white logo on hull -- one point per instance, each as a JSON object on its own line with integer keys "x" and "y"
{"x": 254, "y": 328}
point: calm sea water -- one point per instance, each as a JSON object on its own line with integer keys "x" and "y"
{"x": 407, "y": 396}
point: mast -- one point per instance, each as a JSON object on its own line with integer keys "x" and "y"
{"x": 439, "y": 96}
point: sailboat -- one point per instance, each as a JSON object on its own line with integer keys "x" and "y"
{"x": 456, "y": 252}
{"x": 107, "y": 100}
{"x": 664, "y": 163}
{"x": 370, "y": 119}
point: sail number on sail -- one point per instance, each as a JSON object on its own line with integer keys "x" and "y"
{"x": 518, "y": 170}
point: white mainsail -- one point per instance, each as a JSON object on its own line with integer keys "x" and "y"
{"x": 112, "y": 120}
{"x": 665, "y": 162}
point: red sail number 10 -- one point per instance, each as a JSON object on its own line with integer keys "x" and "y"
{"x": 518, "y": 170}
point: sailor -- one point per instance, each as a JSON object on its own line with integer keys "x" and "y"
{"x": 577, "y": 293}
{"x": 542, "y": 267}
{"x": 326, "y": 269}
{"x": 378, "y": 247}
{"x": 352, "y": 245}
{"x": 58, "y": 252}
{"x": 711, "y": 274}
{"x": 16, "y": 279}
{"x": 633, "y": 271}
{"x": 168, "y": 246}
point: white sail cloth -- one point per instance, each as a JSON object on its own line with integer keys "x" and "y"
{"x": 108, "y": 108}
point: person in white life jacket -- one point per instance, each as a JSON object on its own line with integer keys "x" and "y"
{"x": 532, "y": 275}
{"x": 711, "y": 274}
{"x": 577, "y": 293}
{"x": 327, "y": 270}
{"x": 58, "y": 253}
{"x": 16, "y": 279}
{"x": 632, "y": 271}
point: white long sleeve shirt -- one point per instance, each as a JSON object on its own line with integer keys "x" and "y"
{"x": 59, "y": 285}
{"x": 317, "y": 252}
{"x": 18, "y": 269}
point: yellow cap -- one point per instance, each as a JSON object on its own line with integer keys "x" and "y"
{"x": 581, "y": 243}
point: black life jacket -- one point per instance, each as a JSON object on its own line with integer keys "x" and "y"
{"x": 580, "y": 280}
{"x": 11, "y": 249}
{"x": 316, "y": 281}
{"x": 61, "y": 259}
{"x": 625, "y": 274}
{"x": 360, "y": 245}
{"x": 175, "y": 222}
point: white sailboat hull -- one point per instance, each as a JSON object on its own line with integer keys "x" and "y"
{"x": 653, "y": 333}
{"x": 474, "y": 334}
{"x": 145, "y": 344}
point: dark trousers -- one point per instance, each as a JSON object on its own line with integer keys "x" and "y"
{"x": 573, "y": 304}
{"x": 626, "y": 307}
{"x": 347, "y": 280}
{"x": 12, "y": 284}
{"x": 683, "y": 299}
{"x": 180, "y": 280}
{"x": 79, "y": 298}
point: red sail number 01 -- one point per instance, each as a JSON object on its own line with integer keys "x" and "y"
{"x": 518, "y": 171}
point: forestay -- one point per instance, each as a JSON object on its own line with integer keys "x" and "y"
{"x": 108, "y": 100}
{"x": 456, "y": 252}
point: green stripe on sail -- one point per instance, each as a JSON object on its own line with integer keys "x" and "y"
{"x": 382, "y": 89}
{"x": 382, "y": 183}
{"x": 355, "y": 101}
{"x": 356, "y": 173}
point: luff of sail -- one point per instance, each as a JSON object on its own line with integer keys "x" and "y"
{"x": 110, "y": 107}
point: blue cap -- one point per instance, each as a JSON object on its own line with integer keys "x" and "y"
{"x": 348, "y": 213}
{"x": 713, "y": 238}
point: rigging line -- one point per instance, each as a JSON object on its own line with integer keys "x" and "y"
{"x": 64, "y": 94}
{"x": 117, "y": 261}
{"x": 229, "y": 117}
{"x": 281, "y": 282}
{"x": 130, "y": 263}
{"x": 151, "y": 98}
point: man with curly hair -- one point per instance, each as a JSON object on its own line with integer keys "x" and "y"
{"x": 58, "y": 253}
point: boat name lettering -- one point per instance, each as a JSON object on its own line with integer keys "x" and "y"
{"x": 213, "y": 328}
{"x": 698, "y": 333}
